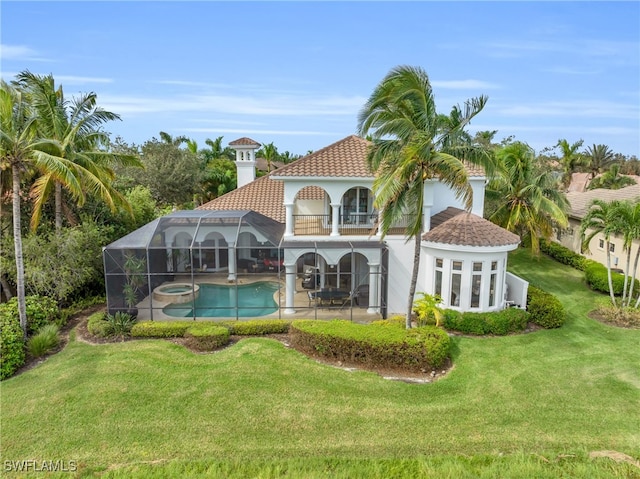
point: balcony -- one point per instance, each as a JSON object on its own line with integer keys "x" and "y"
{"x": 354, "y": 224}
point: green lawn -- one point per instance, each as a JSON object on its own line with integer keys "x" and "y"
{"x": 531, "y": 405}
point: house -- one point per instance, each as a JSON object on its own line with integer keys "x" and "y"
{"x": 313, "y": 222}
{"x": 579, "y": 206}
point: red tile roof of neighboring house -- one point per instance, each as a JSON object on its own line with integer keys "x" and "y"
{"x": 579, "y": 201}
{"x": 454, "y": 226}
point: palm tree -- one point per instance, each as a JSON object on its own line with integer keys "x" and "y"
{"x": 570, "y": 159}
{"x": 602, "y": 218}
{"x": 270, "y": 153}
{"x": 170, "y": 140}
{"x": 611, "y": 179}
{"x": 411, "y": 145}
{"x": 76, "y": 127}
{"x": 530, "y": 205}
{"x": 22, "y": 151}
{"x": 628, "y": 213}
{"x": 598, "y": 158}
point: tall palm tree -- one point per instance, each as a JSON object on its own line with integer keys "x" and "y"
{"x": 412, "y": 144}
{"x": 76, "y": 126}
{"x": 628, "y": 213}
{"x": 22, "y": 151}
{"x": 175, "y": 141}
{"x": 570, "y": 158}
{"x": 602, "y": 218}
{"x": 598, "y": 158}
{"x": 530, "y": 205}
{"x": 270, "y": 153}
{"x": 612, "y": 179}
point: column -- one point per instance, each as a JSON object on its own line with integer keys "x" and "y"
{"x": 169, "y": 245}
{"x": 288, "y": 226}
{"x": 374, "y": 296}
{"x": 232, "y": 262}
{"x": 335, "y": 219}
{"x": 290, "y": 288}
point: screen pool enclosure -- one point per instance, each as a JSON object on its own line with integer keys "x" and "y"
{"x": 161, "y": 267}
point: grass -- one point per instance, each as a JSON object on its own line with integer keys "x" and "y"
{"x": 532, "y": 405}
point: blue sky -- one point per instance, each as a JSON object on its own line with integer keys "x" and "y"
{"x": 297, "y": 73}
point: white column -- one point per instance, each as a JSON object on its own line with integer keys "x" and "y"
{"x": 374, "y": 296}
{"x": 335, "y": 219}
{"x": 232, "y": 262}
{"x": 288, "y": 228}
{"x": 290, "y": 288}
{"x": 168, "y": 244}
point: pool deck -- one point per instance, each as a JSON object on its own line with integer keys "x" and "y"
{"x": 304, "y": 309}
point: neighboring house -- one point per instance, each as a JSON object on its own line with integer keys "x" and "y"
{"x": 315, "y": 218}
{"x": 579, "y": 206}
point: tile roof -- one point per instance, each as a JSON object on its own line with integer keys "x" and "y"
{"x": 264, "y": 195}
{"x": 454, "y": 226}
{"x": 579, "y": 201}
{"x": 244, "y": 141}
{"x": 344, "y": 158}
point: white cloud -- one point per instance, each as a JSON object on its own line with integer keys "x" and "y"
{"x": 249, "y": 131}
{"x": 78, "y": 80}
{"x": 16, "y": 52}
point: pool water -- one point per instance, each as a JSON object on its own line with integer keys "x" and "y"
{"x": 220, "y": 301}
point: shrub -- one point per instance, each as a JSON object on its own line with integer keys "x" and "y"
{"x": 160, "y": 329}
{"x": 41, "y": 310}
{"x": 11, "y": 345}
{"x": 44, "y": 341}
{"x": 544, "y": 308}
{"x": 563, "y": 254}
{"x": 503, "y": 322}
{"x": 397, "y": 321}
{"x": 373, "y": 345}
{"x": 98, "y": 325}
{"x": 596, "y": 277}
{"x": 207, "y": 336}
{"x": 120, "y": 324}
{"x": 257, "y": 327}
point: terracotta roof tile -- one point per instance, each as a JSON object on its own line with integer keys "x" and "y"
{"x": 244, "y": 141}
{"x": 264, "y": 195}
{"x": 454, "y": 226}
{"x": 579, "y": 201}
{"x": 344, "y": 158}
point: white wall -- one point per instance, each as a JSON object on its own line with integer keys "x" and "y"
{"x": 400, "y": 269}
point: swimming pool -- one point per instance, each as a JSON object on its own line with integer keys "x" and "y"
{"x": 221, "y": 301}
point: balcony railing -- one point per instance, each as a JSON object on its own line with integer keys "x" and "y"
{"x": 354, "y": 224}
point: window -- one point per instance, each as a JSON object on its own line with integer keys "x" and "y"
{"x": 438, "y": 279}
{"x": 601, "y": 244}
{"x": 476, "y": 285}
{"x": 612, "y": 247}
{"x": 492, "y": 283}
{"x": 456, "y": 281}
{"x": 356, "y": 206}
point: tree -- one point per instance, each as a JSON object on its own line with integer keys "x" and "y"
{"x": 611, "y": 179}
{"x": 270, "y": 153}
{"x": 175, "y": 141}
{"x": 530, "y": 205}
{"x": 628, "y": 214}
{"x": 602, "y": 218}
{"x": 21, "y": 151}
{"x": 570, "y": 158}
{"x": 76, "y": 126}
{"x": 413, "y": 144}
{"x": 598, "y": 158}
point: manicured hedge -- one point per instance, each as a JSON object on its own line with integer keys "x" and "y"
{"x": 160, "y": 329}
{"x": 206, "y": 336}
{"x": 12, "y": 353}
{"x": 596, "y": 277}
{"x": 503, "y": 322}
{"x": 375, "y": 345}
{"x": 544, "y": 308}
{"x": 257, "y": 327}
{"x": 564, "y": 255}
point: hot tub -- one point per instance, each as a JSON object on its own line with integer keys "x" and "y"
{"x": 176, "y": 293}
